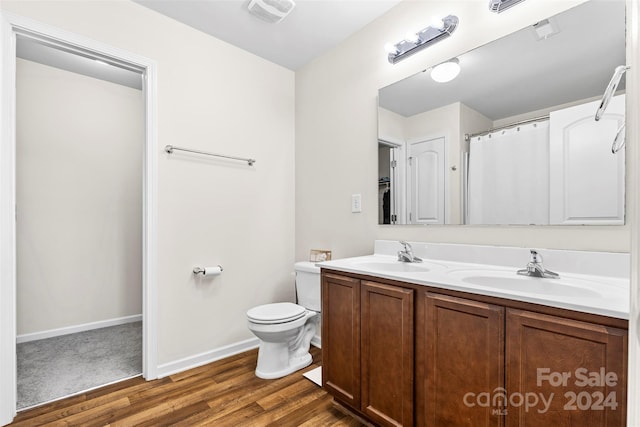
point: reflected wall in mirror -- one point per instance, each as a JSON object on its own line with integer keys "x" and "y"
{"x": 512, "y": 139}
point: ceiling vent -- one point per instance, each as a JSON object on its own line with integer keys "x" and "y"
{"x": 545, "y": 29}
{"x": 502, "y": 5}
{"x": 272, "y": 11}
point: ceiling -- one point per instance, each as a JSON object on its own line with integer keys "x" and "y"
{"x": 312, "y": 27}
{"x": 518, "y": 73}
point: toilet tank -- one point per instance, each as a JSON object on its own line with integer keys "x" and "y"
{"x": 308, "y": 285}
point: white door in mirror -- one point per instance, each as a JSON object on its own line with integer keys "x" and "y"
{"x": 586, "y": 179}
{"x": 427, "y": 181}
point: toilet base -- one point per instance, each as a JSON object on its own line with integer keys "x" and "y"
{"x": 295, "y": 364}
{"x": 284, "y": 347}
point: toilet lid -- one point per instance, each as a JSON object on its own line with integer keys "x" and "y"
{"x": 279, "y": 312}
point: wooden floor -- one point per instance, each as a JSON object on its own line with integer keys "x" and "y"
{"x": 223, "y": 393}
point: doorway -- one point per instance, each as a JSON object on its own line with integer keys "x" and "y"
{"x": 14, "y": 26}
{"x": 79, "y": 141}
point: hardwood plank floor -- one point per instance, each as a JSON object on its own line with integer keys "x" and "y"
{"x": 223, "y": 393}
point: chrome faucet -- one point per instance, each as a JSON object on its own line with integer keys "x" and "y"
{"x": 407, "y": 255}
{"x": 536, "y": 269}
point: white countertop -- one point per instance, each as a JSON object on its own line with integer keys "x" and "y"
{"x": 595, "y": 294}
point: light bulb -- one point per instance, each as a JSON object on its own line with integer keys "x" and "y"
{"x": 390, "y": 48}
{"x": 436, "y": 22}
{"x": 411, "y": 37}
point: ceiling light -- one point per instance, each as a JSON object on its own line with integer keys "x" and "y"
{"x": 272, "y": 11}
{"x": 415, "y": 42}
{"x": 446, "y": 71}
{"x": 499, "y": 6}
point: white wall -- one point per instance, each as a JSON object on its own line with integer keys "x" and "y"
{"x": 390, "y": 125}
{"x": 336, "y": 131}
{"x": 79, "y": 169}
{"x": 472, "y": 122}
{"x": 213, "y": 97}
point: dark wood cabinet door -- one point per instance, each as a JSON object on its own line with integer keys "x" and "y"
{"x": 578, "y": 368}
{"x": 459, "y": 361}
{"x": 341, "y": 338}
{"x": 387, "y": 354}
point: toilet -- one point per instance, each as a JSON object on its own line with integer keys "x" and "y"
{"x": 286, "y": 329}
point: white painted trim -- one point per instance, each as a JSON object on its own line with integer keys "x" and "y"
{"x": 391, "y": 140}
{"x": 150, "y": 227}
{"x": 400, "y": 178}
{"x": 34, "y": 336}
{"x": 633, "y": 206}
{"x": 191, "y": 362}
{"x": 10, "y": 24}
{"x": 8, "y": 363}
{"x": 316, "y": 341}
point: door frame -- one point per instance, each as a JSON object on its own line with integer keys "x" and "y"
{"x": 10, "y": 26}
{"x": 398, "y": 177}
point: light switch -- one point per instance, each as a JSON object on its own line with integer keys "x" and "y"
{"x": 356, "y": 203}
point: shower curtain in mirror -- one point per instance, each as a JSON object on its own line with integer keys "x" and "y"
{"x": 508, "y": 179}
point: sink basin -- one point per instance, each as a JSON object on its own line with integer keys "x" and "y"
{"x": 531, "y": 285}
{"x": 396, "y": 267}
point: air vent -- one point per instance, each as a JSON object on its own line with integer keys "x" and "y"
{"x": 498, "y": 6}
{"x": 545, "y": 29}
{"x": 272, "y": 11}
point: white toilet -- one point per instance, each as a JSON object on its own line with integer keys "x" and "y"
{"x": 285, "y": 329}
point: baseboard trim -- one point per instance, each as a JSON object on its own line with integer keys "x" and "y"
{"x": 316, "y": 341}
{"x": 191, "y": 362}
{"x": 77, "y": 328}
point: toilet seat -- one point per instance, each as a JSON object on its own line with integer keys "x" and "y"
{"x": 280, "y": 312}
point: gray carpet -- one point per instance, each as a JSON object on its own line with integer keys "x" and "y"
{"x": 56, "y": 367}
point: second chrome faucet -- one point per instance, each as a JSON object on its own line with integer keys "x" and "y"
{"x": 407, "y": 255}
{"x": 536, "y": 269}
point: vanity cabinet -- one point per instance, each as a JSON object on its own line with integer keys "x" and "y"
{"x": 367, "y": 349}
{"x": 341, "y": 338}
{"x": 460, "y": 350}
{"x": 387, "y": 353}
{"x": 400, "y": 354}
{"x": 579, "y": 368}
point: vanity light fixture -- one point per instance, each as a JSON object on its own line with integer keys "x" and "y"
{"x": 415, "y": 42}
{"x": 499, "y": 6}
{"x": 447, "y": 71}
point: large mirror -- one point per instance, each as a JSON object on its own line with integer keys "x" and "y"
{"x": 512, "y": 139}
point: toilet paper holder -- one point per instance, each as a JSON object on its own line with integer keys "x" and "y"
{"x": 203, "y": 271}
